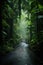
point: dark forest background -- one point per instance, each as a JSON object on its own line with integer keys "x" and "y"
{"x": 12, "y": 14}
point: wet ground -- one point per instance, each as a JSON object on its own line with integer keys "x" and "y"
{"x": 20, "y": 56}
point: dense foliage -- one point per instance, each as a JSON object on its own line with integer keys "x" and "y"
{"x": 19, "y": 13}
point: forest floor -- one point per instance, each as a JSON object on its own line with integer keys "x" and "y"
{"x": 22, "y": 55}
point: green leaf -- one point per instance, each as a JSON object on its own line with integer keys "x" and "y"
{"x": 40, "y": 7}
{"x": 4, "y": 32}
{"x": 4, "y": 23}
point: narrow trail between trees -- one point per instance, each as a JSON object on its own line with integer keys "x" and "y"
{"x": 21, "y": 56}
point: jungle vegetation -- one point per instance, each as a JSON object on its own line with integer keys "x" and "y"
{"x": 21, "y": 20}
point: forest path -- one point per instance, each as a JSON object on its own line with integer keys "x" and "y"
{"x": 21, "y": 56}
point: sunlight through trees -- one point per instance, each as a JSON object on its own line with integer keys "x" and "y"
{"x": 21, "y": 19}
